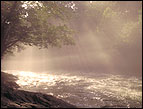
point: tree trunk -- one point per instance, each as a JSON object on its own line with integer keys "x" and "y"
{"x": 5, "y": 28}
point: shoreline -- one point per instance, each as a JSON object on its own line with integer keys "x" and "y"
{"x": 12, "y": 97}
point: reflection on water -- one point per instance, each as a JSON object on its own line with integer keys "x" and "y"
{"x": 82, "y": 91}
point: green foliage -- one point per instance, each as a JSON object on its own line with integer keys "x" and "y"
{"x": 140, "y": 17}
{"x": 41, "y": 24}
{"x": 109, "y": 13}
{"x": 126, "y": 31}
{"x": 118, "y": 22}
{"x": 45, "y": 24}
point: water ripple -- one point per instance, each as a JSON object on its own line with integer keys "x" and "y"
{"x": 83, "y": 91}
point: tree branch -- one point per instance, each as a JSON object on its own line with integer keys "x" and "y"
{"x": 12, "y": 43}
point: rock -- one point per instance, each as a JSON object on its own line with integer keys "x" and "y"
{"x": 11, "y": 97}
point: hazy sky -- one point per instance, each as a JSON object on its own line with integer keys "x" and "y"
{"x": 92, "y": 52}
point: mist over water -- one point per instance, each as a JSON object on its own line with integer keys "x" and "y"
{"x": 75, "y": 59}
{"x": 98, "y": 71}
{"x": 83, "y": 81}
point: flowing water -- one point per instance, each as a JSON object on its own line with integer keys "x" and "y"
{"x": 93, "y": 90}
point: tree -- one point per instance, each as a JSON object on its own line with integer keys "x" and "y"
{"x": 118, "y": 22}
{"x": 34, "y": 23}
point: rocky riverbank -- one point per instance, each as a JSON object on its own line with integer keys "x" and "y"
{"x": 11, "y": 97}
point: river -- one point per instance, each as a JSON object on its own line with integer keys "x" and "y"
{"x": 85, "y": 90}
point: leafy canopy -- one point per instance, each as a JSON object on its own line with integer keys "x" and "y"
{"x": 33, "y": 23}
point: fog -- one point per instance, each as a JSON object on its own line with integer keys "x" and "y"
{"x": 93, "y": 52}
